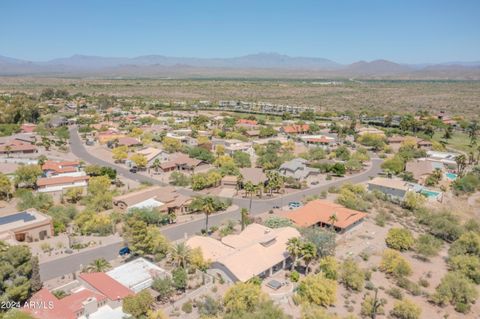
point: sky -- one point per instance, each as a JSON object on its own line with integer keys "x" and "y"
{"x": 404, "y": 31}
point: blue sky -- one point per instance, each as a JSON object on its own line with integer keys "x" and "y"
{"x": 344, "y": 31}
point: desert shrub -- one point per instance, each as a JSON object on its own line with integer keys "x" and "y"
{"x": 428, "y": 245}
{"x": 467, "y": 265}
{"x": 329, "y": 267}
{"x": 394, "y": 264}
{"x": 187, "y": 307}
{"x": 399, "y": 239}
{"x": 395, "y": 293}
{"x": 351, "y": 275}
{"x": 457, "y": 290}
{"x": 318, "y": 290}
{"x": 406, "y": 309}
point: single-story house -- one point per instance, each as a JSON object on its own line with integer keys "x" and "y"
{"x": 420, "y": 169}
{"x": 256, "y": 251}
{"x": 26, "y": 226}
{"x": 137, "y": 274}
{"x": 165, "y": 199}
{"x": 296, "y": 129}
{"x": 393, "y": 188}
{"x": 180, "y": 162}
{"x": 253, "y": 175}
{"x": 324, "y": 213}
{"x": 59, "y": 183}
{"x": 28, "y": 128}
{"x": 60, "y": 167}
{"x": 152, "y": 154}
{"x": 297, "y": 169}
{"x": 17, "y": 147}
{"x": 128, "y": 141}
{"x": 247, "y": 122}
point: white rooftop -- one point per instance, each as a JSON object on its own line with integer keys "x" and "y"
{"x": 106, "y": 312}
{"x": 137, "y": 274}
{"x": 149, "y": 203}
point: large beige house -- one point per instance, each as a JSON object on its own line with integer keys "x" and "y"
{"x": 256, "y": 251}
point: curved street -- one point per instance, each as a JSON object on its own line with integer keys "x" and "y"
{"x": 175, "y": 232}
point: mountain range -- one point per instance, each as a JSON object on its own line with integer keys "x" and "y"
{"x": 254, "y": 65}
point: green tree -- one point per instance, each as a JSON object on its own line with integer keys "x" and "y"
{"x": 180, "y": 255}
{"x": 467, "y": 244}
{"x": 179, "y": 179}
{"x": 171, "y": 145}
{"x": 351, "y": 275}
{"x": 27, "y": 175}
{"x": 180, "y": 278}
{"x": 73, "y": 194}
{"x": 294, "y": 248}
{"x": 243, "y": 297}
{"x": 317, "y": 289}
{"x": 138, "y": 305}
{"x": 399, "y": 239}
{"x": 405, "y": 309}
{"x": 5, "y": 187}
{"x": 241, "y": 159}
{"x": 329, "y": 266}
{"x": 309, "y": 253}
{"x": 35, "y": 281}
{"x": 140, "y": 160}
{"x": 120, "y": 153}
{"x": 164, "y": 287}
{"x": 413, "y": 201}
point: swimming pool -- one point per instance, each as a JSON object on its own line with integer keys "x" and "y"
{"x": 429, "y": 193}
{"x": 451, "y": 176}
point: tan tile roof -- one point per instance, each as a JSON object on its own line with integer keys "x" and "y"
{"x": 60, "y": 180}
{"x": 390, "y": 183}
{"x": 320, "y": 211}
{"x": 253, "y": 175}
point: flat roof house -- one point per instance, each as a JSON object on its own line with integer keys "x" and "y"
{"x": 393, "y": 188}
{"x": 256, "y": 251}
{"x": 26, "y": 226}
{"x": 324, "y": 213}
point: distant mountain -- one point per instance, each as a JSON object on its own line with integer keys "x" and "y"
{"x": 253, "y": 65}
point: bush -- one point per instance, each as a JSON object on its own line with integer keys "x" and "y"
{"x": 294, "y": 276}
{"x": 467, "y": 244}
{"x": 457, "y": 290}
{"x": 399, "y": 239}
{"x": 318, "y": 290}
{"x": 395, "y": 293}
{"x": 328, "y": 265}
{"x": 427, "y": 245}
{"x": 187, "y": 307}
{"x": 467, "y": 265}
{"x": 351, "y": 275}
{"x": 406, "y": 309}
{"x": 394, "y": 264}
{"x": 277, "y": 222}
{"x": 409, "y": 286}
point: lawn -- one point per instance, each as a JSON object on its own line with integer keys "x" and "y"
{"x": 459, "y": 141}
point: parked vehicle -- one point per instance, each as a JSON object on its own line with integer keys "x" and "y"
{"x": 124, "y": 251}
{"x": 133, "y": 169}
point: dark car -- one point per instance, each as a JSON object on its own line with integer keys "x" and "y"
{"x": 124, "y": 251}
{"x": 133, "y": 169}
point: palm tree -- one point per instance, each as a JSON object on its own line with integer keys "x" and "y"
{"x": 180, "y": 255}
{"x": 8, "y": 149}
{"x": 208, "y": 208}
{"x": 294, "y": 248}
{"x": 156, "y": 165}
{"x": 309, "y": 253}
{"x": 244, "y": 217}
{"x": 461, "y": 161}
{"x": 332, "y": 220}
{"x": 98, "y": 265}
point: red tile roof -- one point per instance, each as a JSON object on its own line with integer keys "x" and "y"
{"x": 247, "y": 122}
{"x": 106, "y": 285}
{"x": 17, "y": 146}
{"x": 60, "y": 167}
{"x": 320, "y": 211}
{"x": 292, "y": 129}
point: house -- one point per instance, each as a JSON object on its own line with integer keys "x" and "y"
{"x": 229, "y": 181}
{"x": 323, "y": 141}
{"x": 420, "y": 169}
{"x": 447, "y": 159}
{"x": 28, "y": 128}
{"x": 109, "y": 135}
{"x": 114, "y": 290}
{"x": 253, "y": 175}
{"x": 59, "y": 183}
{"x": 152, "y": 154}
{"x": 137, "y": 274}
{"x": 128, "y": 141}
{"x": 25, "y": 226}
{"x": 57, "y": 121}
{"x": 252, "y": 133}
{"x": 247, "y": 122}
{"x": 297, "y": 169}
{"x": 51, "y": 168}
{"x": 324, "y": 213}
{"x": 165, "y": 199}
{"x": 17, "y": 147}
{"x": 424, "y": 144}
{"x": 256, "y": 251}
{"x": 296, "y": 129}
{"x": 393, "y": 188}
{"x": 180, "y": 162}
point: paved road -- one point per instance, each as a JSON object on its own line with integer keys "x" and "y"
{"x": 69, "y": 264}
{"x": 72, "y": 263}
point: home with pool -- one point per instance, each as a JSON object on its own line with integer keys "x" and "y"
{"x": 256, "y": 251}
